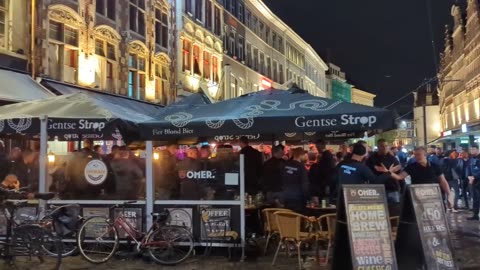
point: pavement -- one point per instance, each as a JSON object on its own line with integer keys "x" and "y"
{"x": 465, "y": 237}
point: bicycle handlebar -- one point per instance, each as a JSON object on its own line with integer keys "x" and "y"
{"x": 123, "y": 204}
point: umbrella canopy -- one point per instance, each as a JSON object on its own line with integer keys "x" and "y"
{"x": 72, "y": 117}
{"x": 268, "y": 112}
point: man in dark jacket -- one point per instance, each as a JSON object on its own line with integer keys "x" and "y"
{"x": 295, "y": 181}
{"x": 452, "y": 169}
{"x": 474, "y": 180}
{"x": 253, "y": 166}
{"x": 322, "y": 173}
{"x": 385, "y": 158}
{"x": 272, "y": 174}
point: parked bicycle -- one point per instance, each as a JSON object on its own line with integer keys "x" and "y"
{"x": 24, "y": 242}
{"x": 98, "y": 238}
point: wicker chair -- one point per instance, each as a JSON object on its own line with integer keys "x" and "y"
{"x": 213, "y": 233}
{"x": 270, "y": 225}
{"x": 326, "y": 232}
{"x": 289, "y": 227}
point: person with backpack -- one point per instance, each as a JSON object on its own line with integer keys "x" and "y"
{"x": 452, "y": 169}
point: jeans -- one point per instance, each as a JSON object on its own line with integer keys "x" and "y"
{"x": 476, "y": 199}
{"x": 466, "y": 192}
{"x": 393, "y": 197}
{"x": 456, "y": 187}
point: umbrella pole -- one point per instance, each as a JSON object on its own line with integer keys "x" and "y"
{"x": 149, "y": 186}
{"x": 43, "y": 155}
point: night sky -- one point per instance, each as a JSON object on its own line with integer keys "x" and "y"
{"x": 384, "y": 46}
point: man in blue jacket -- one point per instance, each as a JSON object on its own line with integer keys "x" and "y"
{"x": 474, "y": 180}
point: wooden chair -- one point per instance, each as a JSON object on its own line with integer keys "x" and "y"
{"x": 289, "y": 227}
{"x": 394, "y": 222}
{"x": 326, "y": 233}
{"x": 270, "y": 225}
{"x": 217, "y": 228}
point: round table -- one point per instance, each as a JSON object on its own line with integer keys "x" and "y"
{"x": 318, "y": 211}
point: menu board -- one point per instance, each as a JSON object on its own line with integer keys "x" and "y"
{"x": 98, "y": 227}
{"x": 133, "y": 216}
{"x": 369, "y": 227}
{"x": 218, "y": 221}
{"x": 433, "y": 229}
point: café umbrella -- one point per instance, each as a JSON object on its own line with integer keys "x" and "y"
{"x": 272, "y": 111}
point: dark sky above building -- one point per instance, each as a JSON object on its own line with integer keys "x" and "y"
{"x": 384, "y": 46}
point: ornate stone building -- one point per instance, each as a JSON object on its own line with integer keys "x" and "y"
{"x": 118, "y": 46}
{"x": 459, "y": 74}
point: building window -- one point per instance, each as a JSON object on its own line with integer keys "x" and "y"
{"x": 255, "y": 59}
{"x": 104, "y": 74}
{"x": 161, "y": 83}
{"x": 275, "y": 71}
{"x": 208, "y": 14}
{"x": 231, "y": 43}
{"x": 280, "y": 45}
{"x": 62, "y": 52}
{"x": 247, "y": 17}
{"x": 281, "y": 78}
{"x": 199, "y": 10}
{"x": 240, "y": 48}
{"x": 233, "y": 7}
{"x": 136, "y": 76}
{"x": 215, "y": 69}
{"x": 269, "y": 67}
{"x": 161, "y": 27}
{"x": 188, "y": 7}
{"x": 248, "y": 55}
{"x": 196, "y": 60}
{"x": 186, "y": 55}
{"x": 206, "y": 65}
{"x": 240, "y": 12}
{"x": 106, "y": 8}
{"x": 267, "y": 35}
{"x": 217, "y": 30}
{"x": 262, "y": 63}
{"x": 137, "y": 16}
{"x": 3, "y": 23}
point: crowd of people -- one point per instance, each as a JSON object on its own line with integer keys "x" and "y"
{"x": 287, "y": 176}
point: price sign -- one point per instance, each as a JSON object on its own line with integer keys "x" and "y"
{"x": 366, "y": 213}
{"x": 433, "y": 228}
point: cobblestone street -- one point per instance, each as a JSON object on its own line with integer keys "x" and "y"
{"x": 465, "y": 236}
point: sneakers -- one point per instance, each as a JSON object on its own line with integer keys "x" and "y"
{"x": 473, "y": 218}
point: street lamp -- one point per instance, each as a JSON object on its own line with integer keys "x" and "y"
{"x": 51, "y": 157}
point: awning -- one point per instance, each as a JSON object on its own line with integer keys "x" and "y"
{"x": 123, "y": 101}
{"x": 19, "y": 87}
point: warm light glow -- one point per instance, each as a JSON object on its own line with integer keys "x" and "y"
{"x": 156, "y": 156}
{"x": 212, "y": 89}
{"x": 51, "y": 157}
{"x": 266, "y": 84}
{"x": 86, "y": 69}
{"x": 194, "y": 82}
{"x": 459, "y": 115}
{"x": 476, "y": 104}
{"x": 150, "y": 90}
{"x": 467, "y": 115}
{"x": 137, "y": 154}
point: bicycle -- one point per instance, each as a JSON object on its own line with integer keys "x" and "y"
{"x": 26, "y": 240}
{"x": 167, "y": 245}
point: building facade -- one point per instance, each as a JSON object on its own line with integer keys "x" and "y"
{"x": 459, "y": 76}
{"x": 362, "y": 97}
{"x": 261, "y": 52}
{"x": 157, "y": 50}
{"x": 337, "y": 86}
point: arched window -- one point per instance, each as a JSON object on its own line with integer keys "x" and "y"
{"x": 137, "y": 67}
{"x": 106, "y": 47}
{"x": 4, "y": 18}
{"x": 63, "y": 37}
{"x": 162, "y": 79}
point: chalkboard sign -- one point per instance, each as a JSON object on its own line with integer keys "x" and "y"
{"x": 363, "y": 214}
{"x": 423, "y": 223}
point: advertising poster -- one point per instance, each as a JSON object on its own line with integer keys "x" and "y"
{"x": 181, "y": 217}
{"x": 218, "y": 221}
{"x": 97, "y": 228}
{"x": 133, "y": 217}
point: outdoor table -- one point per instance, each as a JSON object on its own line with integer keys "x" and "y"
{"x": 318, "y": 211}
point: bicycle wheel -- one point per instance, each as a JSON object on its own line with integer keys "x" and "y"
{"x": 97, "y": 240}
{"x": 27, "y": 241}
{"x": 69, "y": 246}
{"x": 170, "y": 245}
